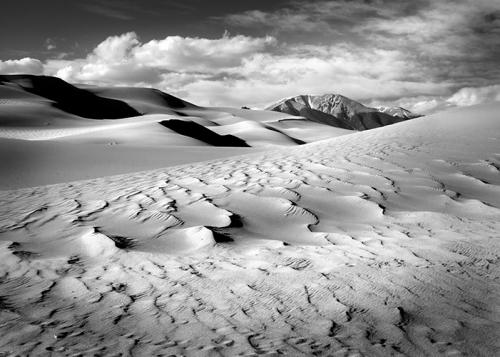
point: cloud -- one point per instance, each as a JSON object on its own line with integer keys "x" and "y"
{"x": 200, "y": 54}
{"x": 319, "y": 17}
{"x": 280, "y": 21}
{"x": 131, "y": 10}
{"x": 245, "y": 70}
{"x": 430, "y": 104}
{"x": 124, "y": 59}
{"x": 418, "y": 104}
{"x": 416, "y": 54}
{"x": 455, "y": 41}
{"x": 109, "y": 8}
{"x": 315, "y": 69}
{"x": 50, "y": 44}
{"x": 25, "y": 65}
{"x": 472, "y": 96}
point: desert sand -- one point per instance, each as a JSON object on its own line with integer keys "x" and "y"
{"x": 378, "y": 243}
{"x": 52, "y": 131}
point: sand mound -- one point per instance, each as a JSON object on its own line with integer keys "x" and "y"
{"x": 144, "y": 100}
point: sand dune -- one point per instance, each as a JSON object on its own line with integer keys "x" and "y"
{"x": 144, "y": 100}
{"x": 132, "y": 129}
{"x": 197, "y": 131}
{"x": 44, "y": 108}
{"x": 69, "y": 98}
{"x": 383, "y": 242}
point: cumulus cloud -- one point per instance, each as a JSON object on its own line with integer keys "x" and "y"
{"x": 124, "y": 59}
{"x": 238, "y": 70}
{"x": 472, "y": 96}
{"x": 201, "y": 54}
{"x": 25, "y": 65}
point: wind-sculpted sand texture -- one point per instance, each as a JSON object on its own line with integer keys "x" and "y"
{"x": 379, "y": 243}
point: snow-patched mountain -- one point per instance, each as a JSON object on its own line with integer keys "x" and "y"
{"x": 399, "y": 112}
{"x": 337, "y": 110}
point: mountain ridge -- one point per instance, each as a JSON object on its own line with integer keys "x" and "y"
{"x": 340, "y": 111}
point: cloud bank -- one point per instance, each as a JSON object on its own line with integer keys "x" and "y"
{"x": 472, "y": 96}
{"x": 245, "y": 70}
{"x": 424, "y": 55}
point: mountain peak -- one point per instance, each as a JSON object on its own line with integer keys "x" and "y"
{"x": 341, "y": 111}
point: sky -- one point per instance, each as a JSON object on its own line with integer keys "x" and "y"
{"x": 424, "y": 55}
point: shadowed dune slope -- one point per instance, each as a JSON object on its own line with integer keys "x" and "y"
{"x": 197, "y": 131}
{"x": 70, "y": 98}
{"x": 144, "y": 100}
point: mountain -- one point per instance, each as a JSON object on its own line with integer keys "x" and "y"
{"x": 398, "y": 112}
{"x": 339, "y": 111}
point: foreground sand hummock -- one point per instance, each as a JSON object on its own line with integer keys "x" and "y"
{"x": 384, "y": 242}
